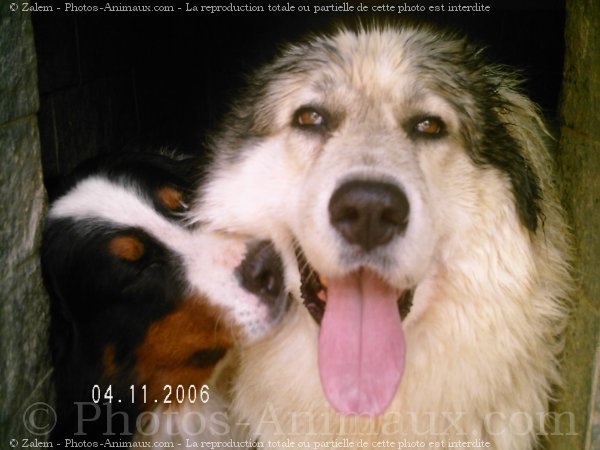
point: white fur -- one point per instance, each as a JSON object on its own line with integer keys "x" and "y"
{"x": 482, "y": 335}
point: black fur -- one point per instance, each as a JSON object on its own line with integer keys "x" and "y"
{"x": 100, "y": 301}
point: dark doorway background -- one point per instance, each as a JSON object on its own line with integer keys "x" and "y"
{"x": 124, "y": 81}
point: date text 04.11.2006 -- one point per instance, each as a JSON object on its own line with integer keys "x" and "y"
{"x": 138, "y": 394}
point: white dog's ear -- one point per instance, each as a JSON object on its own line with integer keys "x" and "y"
{"x": 506, "y": 150}
{"x": 527, "y": 126}
{"x": 510, "y": 135}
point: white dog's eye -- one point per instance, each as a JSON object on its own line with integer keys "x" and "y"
{"x": 309, "y": 117}
{"x": 429, "y": 127}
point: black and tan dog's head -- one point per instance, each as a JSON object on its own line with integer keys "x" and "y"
{"x": 140, "y": 300}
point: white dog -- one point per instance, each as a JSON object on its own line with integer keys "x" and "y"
{"x": 408, "y": 181}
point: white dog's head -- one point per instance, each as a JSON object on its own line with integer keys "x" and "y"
{"x": 378, "y": 159}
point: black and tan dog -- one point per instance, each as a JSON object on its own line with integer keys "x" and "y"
{"x": 144, "y": 308}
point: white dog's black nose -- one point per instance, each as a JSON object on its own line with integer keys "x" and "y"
{"x": 368, "y": 213}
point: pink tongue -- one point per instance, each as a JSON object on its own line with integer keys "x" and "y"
{"x": 361, "y": 345}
